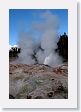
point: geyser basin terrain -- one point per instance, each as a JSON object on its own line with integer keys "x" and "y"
{"x": 38, "y": 81}
{"x": 36, "y": 62}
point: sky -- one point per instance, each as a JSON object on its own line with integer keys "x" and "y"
{"x": 21, "y": 20}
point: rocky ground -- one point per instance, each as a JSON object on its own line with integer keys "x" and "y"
{"x": 38, "y": 81}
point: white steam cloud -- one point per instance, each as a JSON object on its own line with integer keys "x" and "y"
{"x": 43, "y": 53}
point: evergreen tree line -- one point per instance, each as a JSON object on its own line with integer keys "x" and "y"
{"x": 62, "y": 46}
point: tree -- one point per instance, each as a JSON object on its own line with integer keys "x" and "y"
{"x": 62, "y": 46}
{"x": 14, "y": 51}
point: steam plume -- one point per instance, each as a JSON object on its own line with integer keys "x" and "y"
{"x": 30, "y": 50}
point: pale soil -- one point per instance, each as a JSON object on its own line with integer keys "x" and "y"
{"x": 38, "y": 81}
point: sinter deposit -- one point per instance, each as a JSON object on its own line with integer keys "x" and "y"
{"x": 38, "y": 81}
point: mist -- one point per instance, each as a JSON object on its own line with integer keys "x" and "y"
{"x": 42, "y": 51}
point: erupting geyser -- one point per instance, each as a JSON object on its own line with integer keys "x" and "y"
{"x": 30, "y": 52}
{"x": 52, "y": 60}
{"x": 47, "y": 60}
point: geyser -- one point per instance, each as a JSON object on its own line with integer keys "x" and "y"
{"x": 31, "y": 53}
